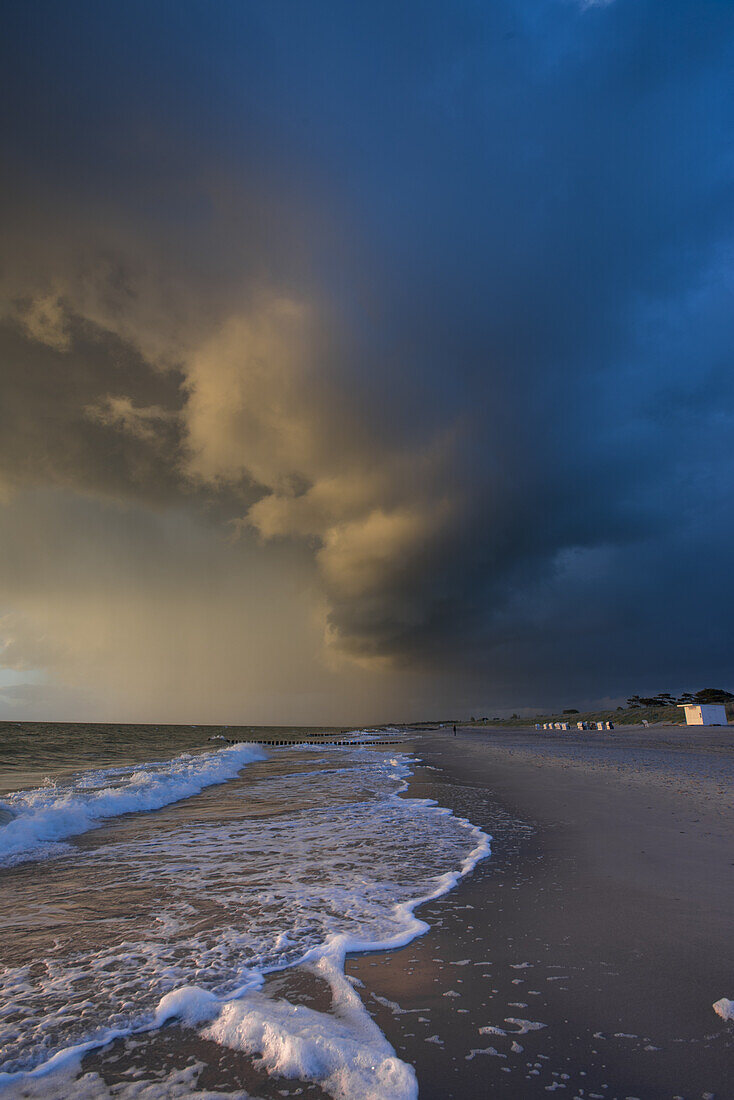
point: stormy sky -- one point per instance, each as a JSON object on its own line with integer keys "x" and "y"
{"x": 364, "y": 361}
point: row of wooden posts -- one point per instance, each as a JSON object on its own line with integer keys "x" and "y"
{"x": 296, "y": 744}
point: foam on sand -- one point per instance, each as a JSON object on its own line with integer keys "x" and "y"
{"x": 724, "y": 1008}
{"x": 37, "y": 819}
{"x": 344, "y": 1051}
{"x": 180, "y": 1084}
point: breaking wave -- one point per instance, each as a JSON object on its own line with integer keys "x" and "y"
{"x": 32, "y": 822}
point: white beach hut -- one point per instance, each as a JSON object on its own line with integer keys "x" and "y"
{"x": 704, "y": 714}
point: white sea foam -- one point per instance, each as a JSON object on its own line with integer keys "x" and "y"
{"x": 296, "y": 868}
{"x": 36, "y": 820}
{"x": 522, "y": 1027}
{"x": 724, "y": 1008}
{"x": 69, "y": 1081}
{"x": 343, "y": 1050}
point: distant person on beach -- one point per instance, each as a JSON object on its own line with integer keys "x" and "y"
{"x": 454, "y": 731}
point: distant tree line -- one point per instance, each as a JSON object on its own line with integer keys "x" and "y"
{"x": 665, "y": 699}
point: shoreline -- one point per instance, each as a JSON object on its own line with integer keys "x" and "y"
{"x": 152, "y": 1050}
{"x": 603, "y": 914}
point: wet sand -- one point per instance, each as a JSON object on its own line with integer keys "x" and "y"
{"x": 604, "y": 914}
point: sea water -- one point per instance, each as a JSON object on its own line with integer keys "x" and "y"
{"x": 142, "y": 889}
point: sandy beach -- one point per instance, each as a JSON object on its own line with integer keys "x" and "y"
{"x": 604, "y": 915}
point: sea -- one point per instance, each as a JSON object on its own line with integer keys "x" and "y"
{"x": 178, "y": 898}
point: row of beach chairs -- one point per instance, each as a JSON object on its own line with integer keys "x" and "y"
{"x": 579, "y": 726}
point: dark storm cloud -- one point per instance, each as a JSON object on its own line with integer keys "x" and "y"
{"x": 445, "y": 287}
